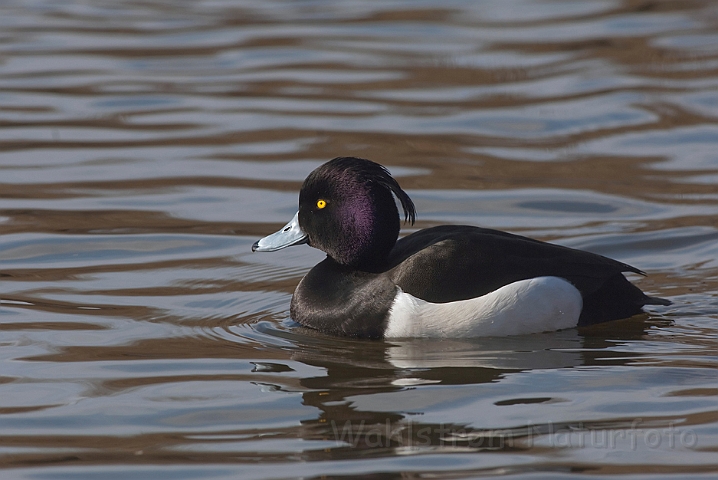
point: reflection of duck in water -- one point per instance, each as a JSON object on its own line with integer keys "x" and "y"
{"x": 371, "y": 394}
{"x": 446, "y": 281}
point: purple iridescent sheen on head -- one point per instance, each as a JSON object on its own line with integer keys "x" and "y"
{"x": 360, "y": 217}
{"x": 360, "y": 223}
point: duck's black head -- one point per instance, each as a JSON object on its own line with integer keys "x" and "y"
{"x": 346, "y": 209}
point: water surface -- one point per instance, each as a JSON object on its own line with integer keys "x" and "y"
{"x": 144, "y": 146}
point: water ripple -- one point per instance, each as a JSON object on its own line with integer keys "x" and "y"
{"x": 144, "y": 146}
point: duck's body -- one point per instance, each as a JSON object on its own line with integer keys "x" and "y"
{"x": 446, "y": 281}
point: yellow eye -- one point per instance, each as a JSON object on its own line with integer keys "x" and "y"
{"x": 321, "y": 204}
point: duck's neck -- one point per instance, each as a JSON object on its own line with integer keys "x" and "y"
{"x": 366, "y": 256}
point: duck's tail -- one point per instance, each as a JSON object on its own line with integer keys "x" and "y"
{"x": 656, "y": 301}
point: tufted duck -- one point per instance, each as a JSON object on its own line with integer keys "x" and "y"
{"x": 446, "y": 281}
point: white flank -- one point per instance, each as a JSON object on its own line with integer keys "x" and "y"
{"x": 528, "y": 306}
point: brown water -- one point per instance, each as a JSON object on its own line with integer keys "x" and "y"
{"x": 145, "y": 145}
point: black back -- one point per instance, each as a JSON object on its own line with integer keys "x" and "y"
{"x": 449, "y": 263}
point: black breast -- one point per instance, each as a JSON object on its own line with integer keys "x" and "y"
{"x": 341, "y": 300}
